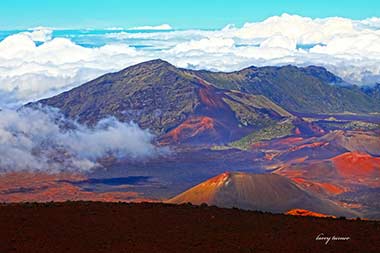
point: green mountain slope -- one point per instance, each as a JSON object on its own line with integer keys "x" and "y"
{"x": 173, "y": 103}
{"x": 181, "y": 105}
{"x": 307, "y": 90}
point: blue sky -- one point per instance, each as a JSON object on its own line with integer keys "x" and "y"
{"x": 181, "y": 14}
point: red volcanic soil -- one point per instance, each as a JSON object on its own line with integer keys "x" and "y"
{"x": 303, "y": 212}
{"x": 289, "y": 140}
{"x": 309, "y": 145}
{"x": 42, "y": 187}
{"x": 357, "y": 164}
{"x": 148, "y": 227}
{"x": 331, "y": 188}
{"x": 209, "y": 97}
{"x": 320, "y": 187}
{"x": 192, "y": 127}
{"x": 335, "y": 175}
{"x": 213, "y": 122}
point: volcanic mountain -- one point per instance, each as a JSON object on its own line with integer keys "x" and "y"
{"x": 175, "y": 104}
{"x": 265, "y": 192}
{"x": 181, "y": 105}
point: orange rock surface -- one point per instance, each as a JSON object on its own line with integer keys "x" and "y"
{"x": 357, "y": 164}
{"x": 303, "y": 212}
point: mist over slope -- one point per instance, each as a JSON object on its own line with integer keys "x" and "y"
{"x": 43, "y": 140}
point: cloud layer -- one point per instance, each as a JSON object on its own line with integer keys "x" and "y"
{"x": 40, "y": 63}
{"x": 37, "y": 140}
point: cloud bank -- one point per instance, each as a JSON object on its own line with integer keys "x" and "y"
{"x": 37, "y": 140}
{"x": 38, "y": 63}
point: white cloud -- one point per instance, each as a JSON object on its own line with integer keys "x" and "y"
{"x": 34, "y": 140}
{"x": 348, "y": 48}
{"x": 148, "y": 27}
{"x": 115, "y": 28}
{"x": 32, "y": 72}
{"x": 279, "y": 41}
{"x": 40, "y": 34}
{"x": 207, "y": 45}
{"x": 364, "y": 45}
{"x": 373, "y": 22}
{"x": 302, "y": 30}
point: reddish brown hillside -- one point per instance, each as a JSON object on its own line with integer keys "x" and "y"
{"x": 357, "y": 164}
{"x": 195, "y": 127}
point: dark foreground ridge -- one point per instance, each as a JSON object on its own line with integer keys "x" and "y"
{"x": 153, "y": 227}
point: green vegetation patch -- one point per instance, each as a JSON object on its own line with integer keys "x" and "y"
{"x": 275, "y": 131}
{"x": 351, "y": 125}
{"x": 258, "y": 101}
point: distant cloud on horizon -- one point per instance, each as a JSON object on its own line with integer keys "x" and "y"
{"x": 148, "y": 27}
{"x": 42, "y": 62}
